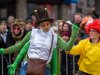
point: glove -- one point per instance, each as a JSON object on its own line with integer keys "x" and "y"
{"x": 2, "y": 51}
{"x": 12, "y": 67}
{"x": 75, "y": 29}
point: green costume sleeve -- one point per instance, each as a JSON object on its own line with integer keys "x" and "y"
{"x": 54, "y": 62}
{"x": 67, "y": 45}
{"x": 2, "y": 51}
{"x": 12, "y": 67}
{"x": 16, "y": 47}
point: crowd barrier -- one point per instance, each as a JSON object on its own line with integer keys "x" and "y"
{"x": 71, "y": 70}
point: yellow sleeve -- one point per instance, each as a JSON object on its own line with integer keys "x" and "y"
{"x": 77, "y": 50}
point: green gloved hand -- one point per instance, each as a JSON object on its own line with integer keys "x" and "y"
{"x": 2, "y": 51}
{"x": 12, "y": 67}
{"x": 75, "y": 29}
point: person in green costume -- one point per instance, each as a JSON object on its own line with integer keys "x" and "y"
{"x": 36, "y": 39}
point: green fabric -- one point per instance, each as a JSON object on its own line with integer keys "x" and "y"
{"x": 2, "y": 51}
{"x": 12, "y": 67}
{"x": 59, "y": 62}
{"x": 54, "y": 62}
{"x": 18, "y": 46}
{"x": 67, "y": 45}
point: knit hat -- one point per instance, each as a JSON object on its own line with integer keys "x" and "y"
{"x": 65, "y": 34}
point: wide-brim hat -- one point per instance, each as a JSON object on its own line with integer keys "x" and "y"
{"x": 48, "y": 19}
{"x": 42, "y": 16}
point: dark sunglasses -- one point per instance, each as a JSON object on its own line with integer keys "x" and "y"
{"x": 15, "y": 28}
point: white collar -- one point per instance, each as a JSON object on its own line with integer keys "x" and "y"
{"x": 4, "y": 34}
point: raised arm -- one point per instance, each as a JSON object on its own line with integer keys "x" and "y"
{"x": 67, "y": 45}
{"x": 16, "y": 47}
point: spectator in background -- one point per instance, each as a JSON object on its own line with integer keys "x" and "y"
{"x": 33, "y": 20}
{"x": 60, "y": 26}
{"x": 5, "y": 35}
{"x": 17, "y": 33}
{"x": 28, "y": 25}
{"x": 55, "y": 29}
{"x": 17, "y": 30}
{"x": 65, "y": 36}
{"x": 66, "y": 27}
{"x": 10, "y": 21}
{"x": 77, "y": 18}
{"x": 5, "y": 41}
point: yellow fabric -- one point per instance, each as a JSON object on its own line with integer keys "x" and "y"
{"x": 89, "y": 60}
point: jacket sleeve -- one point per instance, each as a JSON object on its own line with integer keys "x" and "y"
{"x": 78, "y": 49}
{"x": 67, "y": 45}
{"x": 18, "y": 46}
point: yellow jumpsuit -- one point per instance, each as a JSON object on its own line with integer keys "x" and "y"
{"x": 89, "y": 60}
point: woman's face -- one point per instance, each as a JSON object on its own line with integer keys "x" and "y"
{"x": 65, "y": 27}
{"x": 16, "y": 30}
{"x": 94, "y": 34}
{"x": 45, "y": 26}
{"x": 60, "y": 26}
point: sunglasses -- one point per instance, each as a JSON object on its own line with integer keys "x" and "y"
{"x": 15, "y": 28}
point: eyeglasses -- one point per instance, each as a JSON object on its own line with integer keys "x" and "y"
{"x": 93, "y": 31}
{"x": 16, "y": 28}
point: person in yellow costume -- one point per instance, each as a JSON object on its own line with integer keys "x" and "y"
{"x": 89, "y": 50}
